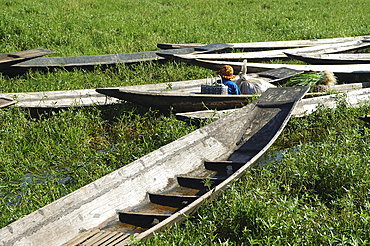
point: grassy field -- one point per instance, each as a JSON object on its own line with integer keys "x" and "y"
{"x": 317, "y": 194}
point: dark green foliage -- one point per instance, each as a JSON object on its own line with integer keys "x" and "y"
{"x": 47, "y": 158}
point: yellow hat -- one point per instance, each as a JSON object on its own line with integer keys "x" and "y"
{"x": 226, "y": 72}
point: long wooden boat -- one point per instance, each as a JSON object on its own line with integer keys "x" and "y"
{"x": 90, "y": 97}
{"x": 163, "y": 187}
{"x": 344, "y": 72}
{"x": 186, "y": 96}
{"x": 277, "y": 54}
{"x": 8, "y": 59}
{"x": 316, "y": 58}
{"x": 89, "y": 62}
{"x": 273, "y": 44}
{"x": 355, "y": 96}
{"x": 57, "y": 99}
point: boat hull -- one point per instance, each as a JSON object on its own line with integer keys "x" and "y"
{"x": 334, "y": 59}
{"x": 178, "y": 102}
{"x": 89, "y": 214}
{"x": 346, "y": 73}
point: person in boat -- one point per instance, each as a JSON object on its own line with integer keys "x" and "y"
{"x": 227, "y": 74}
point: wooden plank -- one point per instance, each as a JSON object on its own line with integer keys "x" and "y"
{"x": 115, "y": 240}
{"x": 83, "y": 237}
{"x": 172, "y": 200}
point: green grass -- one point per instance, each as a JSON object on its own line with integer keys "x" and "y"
{"x": 45, "y": 159}
{"x": 317, "y": 193}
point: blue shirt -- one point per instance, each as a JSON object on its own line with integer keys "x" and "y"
{"x": 232, "y": 88}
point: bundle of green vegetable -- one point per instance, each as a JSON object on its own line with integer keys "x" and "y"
{"x": 312, "y": 79}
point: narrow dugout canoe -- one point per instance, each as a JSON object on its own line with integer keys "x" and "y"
{"x": 355, "y": 96}
{"x": 277, "y": 54}
{"x": 58, "y": 99}
{"x": 186, "y": 95}
{"x": 320, "y": 59}
{"x": 8, "y": 59}
{"x": 346, "y": 73}
{"x": 163, "y": 187}
{"x": 89, "y": 62}
{"x": 273, "y": 44}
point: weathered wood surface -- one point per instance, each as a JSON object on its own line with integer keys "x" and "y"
{"x": 316, "y": 58}
{"x": 354, "y": 94}
{"x": 5, "y": 102}
{"x": 59, "y": 99}
{"x": 279, "y": 54}
{"x": 8, "y": 59}
{"x": 95, "y": 60}
{"x": 185, "y": 95}
{"x": 196, "y": 50}
{"x": 92, "y": 209}
{"x": 273, "y": 44}
{"x": 344, "y": 72}
{"x": 89, "y": 62}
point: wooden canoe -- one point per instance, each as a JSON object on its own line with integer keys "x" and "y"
{"x": 8, "y": 59}
{"x": 5, "y": 102}
{"x": 315, "y": 58}
{"x": 346, "y": 73}
{"x": 273, "y": 44}
{"x": 89, "y": 62}
{"x": 278, "y": 54}
{"x": 58, "y": 99}
{"x": 354, "y": 96}
{"x": 163, "y": 187}
{"x": 185, "y": 96}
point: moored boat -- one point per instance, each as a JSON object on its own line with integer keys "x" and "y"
{"x": 186, "y": 95}
{"x": 276, "y": 54}
{"x": 89, "y": 62}
{"x": 353, "y": 94}
{"x": 315, "y": 58}
{"x": 274, "y": 44}
{"x": 163, "y": 187}
{"x": 346, "y": 73}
